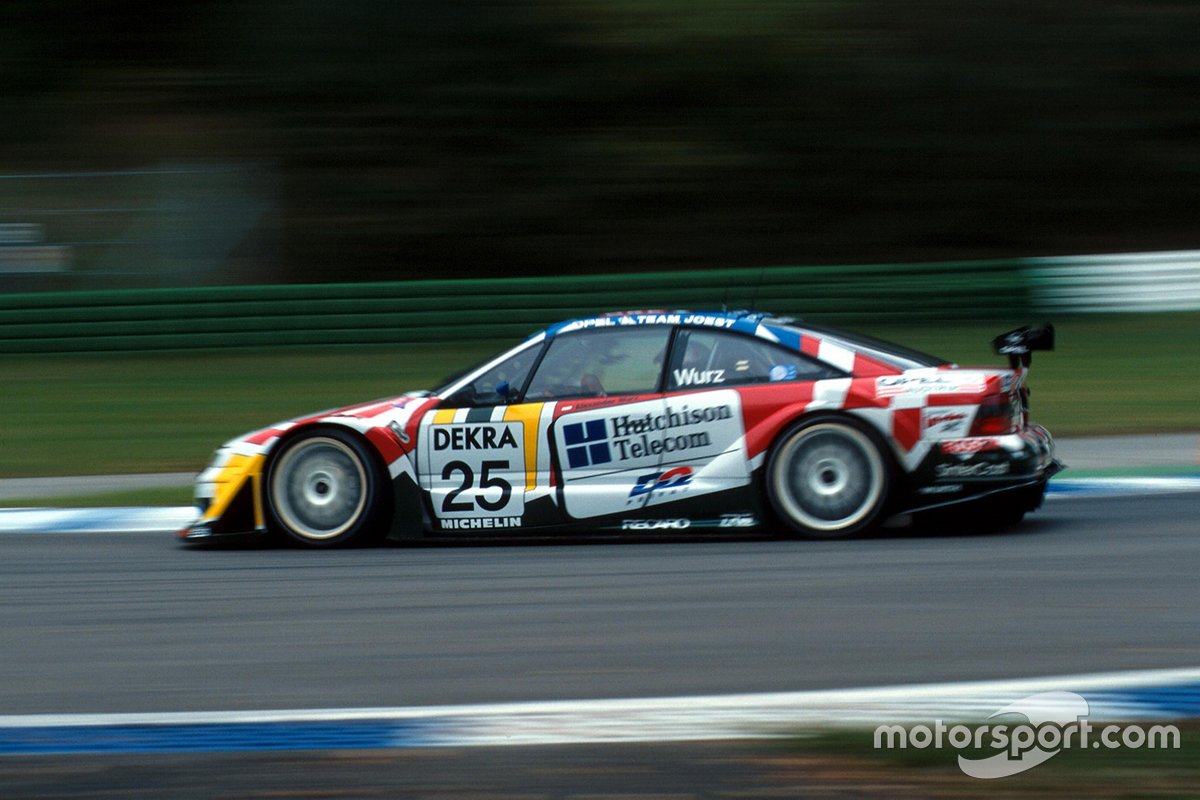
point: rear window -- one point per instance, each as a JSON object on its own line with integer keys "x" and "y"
{"x": 879, "y": 349}
{"x": 704, "y": 359}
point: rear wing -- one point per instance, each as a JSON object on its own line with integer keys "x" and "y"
{"x": 1019, "y": 344}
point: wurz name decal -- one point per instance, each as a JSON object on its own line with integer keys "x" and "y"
{"x": 698, "y": 377}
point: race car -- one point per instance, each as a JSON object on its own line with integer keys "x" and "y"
{"x": 642, "y": 421}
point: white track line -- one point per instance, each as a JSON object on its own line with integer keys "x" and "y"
{"x": 95, "y": 520}
{"x": 1113, "y": 696}
{"x": 1095, "y": 487}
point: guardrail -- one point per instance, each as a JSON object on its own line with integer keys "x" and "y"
{"x": 508, "y": 308}
{"x": 435, "y": 310}
{"x": 1117, "y": 283}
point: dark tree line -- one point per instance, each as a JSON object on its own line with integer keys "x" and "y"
{"x": 436, "y": 138}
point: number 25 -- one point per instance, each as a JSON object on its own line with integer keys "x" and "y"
{"x": 486, "y": 481}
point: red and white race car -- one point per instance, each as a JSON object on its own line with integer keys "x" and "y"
{"x": 651, "y": 420}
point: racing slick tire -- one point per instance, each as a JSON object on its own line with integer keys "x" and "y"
{"x": 827, "y": 478}
{"x": 325, "y": 488}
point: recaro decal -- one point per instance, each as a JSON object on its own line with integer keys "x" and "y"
{"x": 678, "y": 524}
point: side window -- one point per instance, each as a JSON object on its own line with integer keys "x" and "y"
{"x": 598, "y": 363}
{"x": 499, "y": 385}
{"x": 704, "y": 359}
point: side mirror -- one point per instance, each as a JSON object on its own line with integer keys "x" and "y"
{"x": 463, "y": 398}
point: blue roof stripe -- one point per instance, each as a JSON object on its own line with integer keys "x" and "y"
{"x": 741, "y": 321}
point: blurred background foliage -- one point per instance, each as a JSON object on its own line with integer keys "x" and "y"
{"x": 427, "y": 138}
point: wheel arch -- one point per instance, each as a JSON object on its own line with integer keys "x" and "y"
{"x": 897, "y": 478}
{"x": 387, "y": 492}
{"x": 886, "y": 447}
{"x": 321, "y": 424}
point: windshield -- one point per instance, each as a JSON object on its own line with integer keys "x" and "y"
{"x": 455, "y": 381}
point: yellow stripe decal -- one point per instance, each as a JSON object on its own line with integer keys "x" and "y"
{"x": 443, "y": 416}
{"x": 260, "y": 519}
{"x": 528, "y": 414}
{"x": 233, "y": 475}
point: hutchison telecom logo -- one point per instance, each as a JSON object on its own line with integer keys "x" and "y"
{"x": 587, "y": 443}
{"x": 1053, "y": 722}
{"x": 638, "y": 436}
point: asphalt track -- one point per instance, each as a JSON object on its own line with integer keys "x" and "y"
{"x": 135, "y": 622}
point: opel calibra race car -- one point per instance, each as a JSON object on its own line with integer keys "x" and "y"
{"x": 652, "y": 421}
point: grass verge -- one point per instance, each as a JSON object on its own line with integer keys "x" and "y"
{"x": 165, "y": 496}
{"x": 66, "y": 415}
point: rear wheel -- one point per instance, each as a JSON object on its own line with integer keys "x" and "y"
{"x": 324, "y": 488}
{"x": 827, "y": 479}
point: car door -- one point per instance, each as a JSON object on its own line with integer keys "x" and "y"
{"x": 479, "y": 452}
{"x": 604, "y": 384}
{"x": 709, "y": 386}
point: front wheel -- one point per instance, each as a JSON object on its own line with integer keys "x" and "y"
{"x": 324, "y": 489}
{"x": 827, "y": 479}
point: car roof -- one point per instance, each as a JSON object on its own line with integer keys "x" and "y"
{"x": 784, "y": 331}
{"x": 745, "y": 321}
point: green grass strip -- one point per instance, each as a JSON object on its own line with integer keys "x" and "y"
{"x": 159, "y": 412}
{"x": 137, "y": 498}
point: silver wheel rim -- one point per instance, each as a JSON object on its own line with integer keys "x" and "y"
{"x": 319, "y": 488}
{"x": 828, "y": 477}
